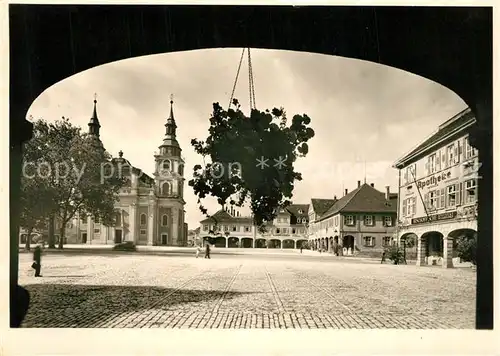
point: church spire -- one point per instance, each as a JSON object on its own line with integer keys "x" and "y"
{"x": 170, "y": 125}
{"x": 170, "y": 128}
{"x": 94, "y": 125}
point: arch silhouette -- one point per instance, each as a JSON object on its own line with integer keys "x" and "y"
{"x": 451, "y": 46}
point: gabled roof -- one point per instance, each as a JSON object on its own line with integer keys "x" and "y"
{"x": 364, "y": 199}
{"x": 320, "y": 206}
{"x": 223, "y": 216}
{"x": 293, "y": 209}
{"x": 447, "y": 129}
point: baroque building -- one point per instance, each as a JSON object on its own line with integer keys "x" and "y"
{"x": 438, "y": 191}
{"x": 150, "y": 209}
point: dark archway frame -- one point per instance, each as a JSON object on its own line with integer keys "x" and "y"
{"x": 452, "y": 46}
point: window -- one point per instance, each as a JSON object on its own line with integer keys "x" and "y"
{"x": 277, "y": 231}
{"x": 442, "y": 199}
{"x": 164, "y": 220}
{"x": 97, "y": 230}
{"x": 451, "y": 196}
{"x": 452, "y": 154}
{"x": 118, "y": 218}
{"x": 369, "y": 241}
{"x": 432, "y": 163}
{"x": 410, "y": 174}
{"x": 469, "y": 150}
{"x": 349, "y": 220}
{"x": 433, "y": 199}
{"x": 226, "y": 227}
{"x": 96, "y": 219}
{"x": 166, "y": 164}
{"x": 438, "y": 160}
{"x": 387, "y": 240}
{"x": 368, "y": 220}
{"x": 284, "y": 231}
{"x": 143, "y": 219}
{"x": 409, "y": 206}
{"x": 234, "y": 228}
{"x": 143, "y": 232}
{"x": 300, "y": 211}
{"x": 247, "y": 228}
{"x": 166, "y": 189}
{"x": 205, "y": 227}
{"x": 293, "y": 231}
{"x": 470, "y": 191}
{"x": 388, "y": 220}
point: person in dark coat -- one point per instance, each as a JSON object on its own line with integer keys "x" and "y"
{"x": 207, "y": 251}
{"x": 37, "y": 258}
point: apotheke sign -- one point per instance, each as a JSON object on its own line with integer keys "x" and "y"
{"x": 434, "y": 179}
{"x": 431, "y": 218}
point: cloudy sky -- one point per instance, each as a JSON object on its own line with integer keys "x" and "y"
{"x": 365, "y": 115}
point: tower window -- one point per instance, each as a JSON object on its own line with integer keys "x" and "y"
{"x": 166, "y": 164}
{"x": 164, "y": 220}
{"x": 143, "y": 219}
{"x": 166, "y": 189}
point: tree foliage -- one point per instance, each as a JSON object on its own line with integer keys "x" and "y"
{"x": 466, "y": 249}
{"x": 37, "y": 196}
{"x": 73, "y": 172}
{"x": 395, "y": 254}
{"x": 235, "y": 146}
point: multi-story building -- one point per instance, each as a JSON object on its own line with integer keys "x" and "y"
{"x": 226, "y": 228}
{"x": 150, "y": 209}
{"x": 362, "y": 220}
{"x": 438, "y": 191}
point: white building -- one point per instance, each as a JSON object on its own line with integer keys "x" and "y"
{"x": 438, "y": 191}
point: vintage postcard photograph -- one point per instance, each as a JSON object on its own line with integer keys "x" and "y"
{"x": 280, "y": 169}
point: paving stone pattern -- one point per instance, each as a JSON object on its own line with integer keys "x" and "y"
{"x": 233, "y": 293}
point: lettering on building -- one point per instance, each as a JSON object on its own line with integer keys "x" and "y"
{"x": 433, "y": 180}
{"x": 432, "y": 218}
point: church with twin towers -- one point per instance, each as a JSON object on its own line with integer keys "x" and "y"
{"x": 150, "y": 209}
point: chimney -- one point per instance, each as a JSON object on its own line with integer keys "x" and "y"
{"x": 345, "y": 193}
{"x": 359, "y": 183}
{"x": 372, "y": 185}
{"x": 334, "y": 197}
{"x": 387, "y": 192}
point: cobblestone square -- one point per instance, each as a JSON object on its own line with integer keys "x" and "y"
{"x": 242, "y": 291}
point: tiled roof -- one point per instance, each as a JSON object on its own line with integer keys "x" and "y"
{"x": 463, "y": 118}
{"x": 364, "y": 199}
{"x": 224, "y": 216}
{"x": 320, "y": 206}
{"x": 294, "y": 210}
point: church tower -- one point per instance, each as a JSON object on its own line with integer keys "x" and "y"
{"x": 169, "y": 183}
{"x": 94, "y": 127}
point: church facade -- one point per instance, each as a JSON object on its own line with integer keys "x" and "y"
{"x": 150, "y": 209}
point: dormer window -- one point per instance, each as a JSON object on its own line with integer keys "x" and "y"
{"x": 300, "y": 211}
{"x": 166, "y": 164}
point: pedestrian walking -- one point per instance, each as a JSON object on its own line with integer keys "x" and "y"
{"x": 300, "y": 249}
{"x": 383, "y": 257}
{"x": 207, "y": 251}
{"x": 197, "y": 251}
{"x": 37, "y": 260}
